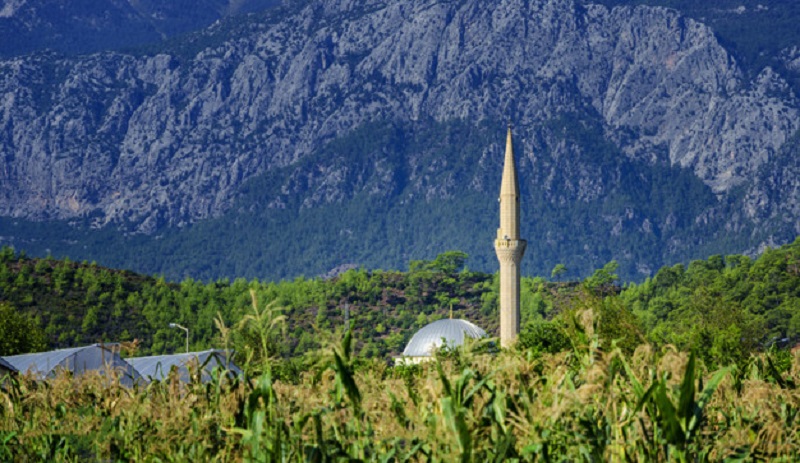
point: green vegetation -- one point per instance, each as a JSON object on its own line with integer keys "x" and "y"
{"x": 18, "y": 333}
{"x": 689, "y": 365}
{"x": 80, "y": 303}
{"x": 588, "y": 404}
{"x": 725, "y": 307}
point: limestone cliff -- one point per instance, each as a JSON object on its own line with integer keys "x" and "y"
{"x": 169, "y": 137}
{"x": 85, "y": 26}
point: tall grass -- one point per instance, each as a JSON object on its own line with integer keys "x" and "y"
{"x": 585, "y": 405}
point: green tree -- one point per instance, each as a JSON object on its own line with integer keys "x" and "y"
{"x": 19, "y": 334}
{"x": 617, "y": 326}
{"x": 6, "y": 254}
{"x": 602, "y": 280}
{"x": 558, "y": 270}
{"x": 449, "y": 262}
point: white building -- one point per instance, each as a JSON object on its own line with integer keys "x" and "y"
{"x": 450, "y": 333}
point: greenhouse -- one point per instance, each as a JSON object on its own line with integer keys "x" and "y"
{"x": 78, "y": 360}
{"x": 448, "y": 332}
{"x": 6, "y": 368}
{"x": 158, "y": 367}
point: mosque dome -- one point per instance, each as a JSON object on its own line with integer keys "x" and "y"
{"x": 433, "y": 335}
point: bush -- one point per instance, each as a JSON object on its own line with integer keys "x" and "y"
{"x": 19, "y": 334}
{"x": 544, "y": 336}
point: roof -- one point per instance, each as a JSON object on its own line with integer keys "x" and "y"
{"x": 158, "y": 367}
{"x": 40, "y": 363}
{"x": 95, "y": 357}
{"x": 451, "y": 332}
{"x": 5, "y": 366}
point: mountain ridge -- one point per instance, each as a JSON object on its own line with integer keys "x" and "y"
{"x": 81, "y": 27}
{"x": 165, "y": 139}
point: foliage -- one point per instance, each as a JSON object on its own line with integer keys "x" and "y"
{"x": 80, "y": 303}
{"x": 599, "y": 376}
{"x": 18, "y": 333}
{"x": 603, "y": 280}
{"x": 258, "y": 335}
{"x": 590, "y": 405}
{"x": 558, "y": 271}
{"x": 725, "y": 308}
{"x": 678, "y": 423}
{"x": 618, "y": 326}
{"x": 449, "y": 262}
{"x": 544, "y": 336}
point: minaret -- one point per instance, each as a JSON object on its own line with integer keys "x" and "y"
{"x": 510, "y": 249}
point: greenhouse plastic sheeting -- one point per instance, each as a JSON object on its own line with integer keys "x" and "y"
{"x": 6, "y": 367}
{"x": 159, "y": 366}
{"x": 77, "y": 360}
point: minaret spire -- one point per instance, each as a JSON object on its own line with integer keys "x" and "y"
{"x": 509, "y": 193}
{"x": 509, "y": 248}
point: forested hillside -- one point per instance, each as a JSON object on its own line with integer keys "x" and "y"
{"x": 384, "y": 213}
{"x": 726, "y": 306}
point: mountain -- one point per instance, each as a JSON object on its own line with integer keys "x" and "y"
{"x": 332, "y": 132}
{"x": 85, "y": 26}
{"x": 759, "y": 33}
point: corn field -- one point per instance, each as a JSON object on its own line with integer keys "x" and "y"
{"x": 467, "y": 405}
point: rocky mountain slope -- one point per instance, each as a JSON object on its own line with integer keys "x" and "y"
{"x": 84, "y": 26}
{"x": 607, "y": 104}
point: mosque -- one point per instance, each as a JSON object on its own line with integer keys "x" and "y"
{"x": 509, "y": 248}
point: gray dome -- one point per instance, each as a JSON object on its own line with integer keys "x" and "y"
{"x": 433, "y": 335}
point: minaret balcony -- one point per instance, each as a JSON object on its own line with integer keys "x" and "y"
{"x": 510, "y": 250}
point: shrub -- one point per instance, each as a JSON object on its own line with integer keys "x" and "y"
{"x": 544, "y": 336}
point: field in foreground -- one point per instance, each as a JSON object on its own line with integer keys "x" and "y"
{"x": 601, "y": 373}
{"x": 584, "y": 404}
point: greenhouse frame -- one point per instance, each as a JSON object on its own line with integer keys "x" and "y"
{"x": 158, "y": 367}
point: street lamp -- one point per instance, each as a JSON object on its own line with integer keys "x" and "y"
{"x": 175, "y": 325}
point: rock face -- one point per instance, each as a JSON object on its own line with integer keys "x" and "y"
{"x": 168, "y": 138}
{"x": 84, "y": 26}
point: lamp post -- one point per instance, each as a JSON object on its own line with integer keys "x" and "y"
{"x": 175, "y": 325}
